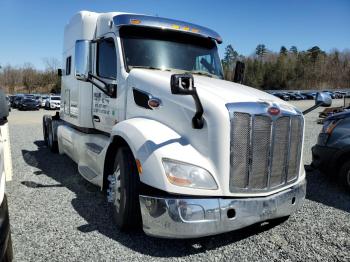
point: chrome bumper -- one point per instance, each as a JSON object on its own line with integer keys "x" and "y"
{"x": 192, "y": 217}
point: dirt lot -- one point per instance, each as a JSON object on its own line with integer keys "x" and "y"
{"x": 57, "y": 216}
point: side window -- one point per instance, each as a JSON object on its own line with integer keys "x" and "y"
{"x": 68, "y": 65}
{"x": 106, "y": 59}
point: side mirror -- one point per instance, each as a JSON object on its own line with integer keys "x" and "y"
{"x": 82, "y": 59}
{"x": 239, "y": 72}
{"x": 323, "y": 99}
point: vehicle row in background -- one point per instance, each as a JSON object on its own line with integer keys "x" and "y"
{"x": 34, "y": 101}
{"x": 298, "y": 95}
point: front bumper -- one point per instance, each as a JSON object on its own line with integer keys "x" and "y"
{"x": 53, "y": 106}
{"x": 198, "y": 217}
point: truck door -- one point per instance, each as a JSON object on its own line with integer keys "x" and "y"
{"x": 104, "y": 106}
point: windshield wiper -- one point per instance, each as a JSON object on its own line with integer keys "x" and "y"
{"x": 202, "y": 73}
{"x": 150, "y": 67}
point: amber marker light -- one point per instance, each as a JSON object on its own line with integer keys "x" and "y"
{"x": 135, "y": 21}
{"x": 186, "y": 28}
{"x": 175, "y": 26}
{"x": 139, "y": 166}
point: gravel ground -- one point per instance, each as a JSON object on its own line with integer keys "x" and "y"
{"x": 57, "y": 216}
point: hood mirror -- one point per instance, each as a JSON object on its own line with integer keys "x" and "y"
{"x": 183, "y": 84}
{"x": 322, "y": 99}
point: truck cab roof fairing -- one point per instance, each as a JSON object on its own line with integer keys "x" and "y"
{"x": 164, "y": 23}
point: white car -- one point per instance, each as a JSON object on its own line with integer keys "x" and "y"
{"x": 53, "y": 102}
{"x": 43, "y": 100}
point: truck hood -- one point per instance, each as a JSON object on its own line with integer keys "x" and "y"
{"x": 226, "y": 91}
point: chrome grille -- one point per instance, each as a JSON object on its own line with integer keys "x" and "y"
{"x": 265, "y": 151}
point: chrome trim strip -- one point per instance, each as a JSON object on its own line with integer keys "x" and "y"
{"x": 165, "y": 23}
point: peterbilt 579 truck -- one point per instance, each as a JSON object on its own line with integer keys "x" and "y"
{"x": 147, "y": 116}
{"x": 6, "y": 253}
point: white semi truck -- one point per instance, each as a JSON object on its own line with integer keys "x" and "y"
{"x": 6, "y": 254}
{"x": 147, "y": 116}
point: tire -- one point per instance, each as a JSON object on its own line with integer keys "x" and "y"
{"x": 8, "y": 256}
{"x": 52, "y": 144}
{"x": 123, "y": 191}
{"x": 45, "y": 131}
{"x": 344, "y": 175}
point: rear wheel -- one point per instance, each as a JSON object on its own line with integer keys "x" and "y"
{"x": 123, "y": 191}
{"x": 45, "y": 131}
{"x": 344, "y": 175}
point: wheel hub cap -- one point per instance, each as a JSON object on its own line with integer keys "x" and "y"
{"x": 113, "y": 193}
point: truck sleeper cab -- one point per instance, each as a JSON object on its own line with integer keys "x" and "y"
{"x": 146, "y": 115}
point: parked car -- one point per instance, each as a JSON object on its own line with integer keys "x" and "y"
{"x": 43, "y": 100}
{"x": 29, "y": 104}
{"x": 53, "y": 102}
{"x": 282, "y": 95}
{"x": 17, "y": 100}
{"x": 294, "y": 96}
{"x": 309, "y": 95}
{"x": 331, "y": 154}
{"x": 8, "y": 103}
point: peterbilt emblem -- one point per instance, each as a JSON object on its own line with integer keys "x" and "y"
{"x": 274, "y": 111}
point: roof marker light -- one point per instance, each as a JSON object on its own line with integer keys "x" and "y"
{"x": 135, "y": 21}
{"x": 175, "y": 26}
{"x": 186, "y": 28}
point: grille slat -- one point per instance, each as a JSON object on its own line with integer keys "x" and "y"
{"x": 260, "y": 152}
{"x": 240, "y": 146}
{"x": 295, "y": 146}
{"x": 280, "y": 151}
{"x": 265, "y": 153}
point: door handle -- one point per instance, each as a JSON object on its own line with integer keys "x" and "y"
{"x": 96, "y": 118}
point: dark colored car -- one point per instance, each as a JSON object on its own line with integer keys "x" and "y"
{"x": 29, "y": 104}
{"x": 309, "y": 95}
{"x": 331, "y": 154}
{"x": 281, "y": 95}
{"x": 294, "y": 96}
{"x": 17, "y": 100}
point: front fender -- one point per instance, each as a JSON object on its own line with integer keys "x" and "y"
{"x": 150, "y": 141}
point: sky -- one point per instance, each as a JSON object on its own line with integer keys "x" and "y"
{"x": 31, "y": 30}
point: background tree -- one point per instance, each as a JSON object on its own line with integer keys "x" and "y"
{"x": 228, "y": 63}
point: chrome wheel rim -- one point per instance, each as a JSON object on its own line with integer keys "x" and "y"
{"x": 114, "y": 195}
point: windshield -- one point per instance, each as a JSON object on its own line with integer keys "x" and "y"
{"x": 55, "y": 98}
{"x": 168, "y": 50}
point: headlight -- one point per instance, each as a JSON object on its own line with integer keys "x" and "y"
{"x": 187, "y": 175}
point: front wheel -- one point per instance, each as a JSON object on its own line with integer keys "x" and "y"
{"x": 53, "y": 145}
{"x": 344, "y": 175}
{"x": 123, "y": 191}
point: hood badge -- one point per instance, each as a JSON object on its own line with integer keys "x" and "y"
{"x": 273, "y": 110}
